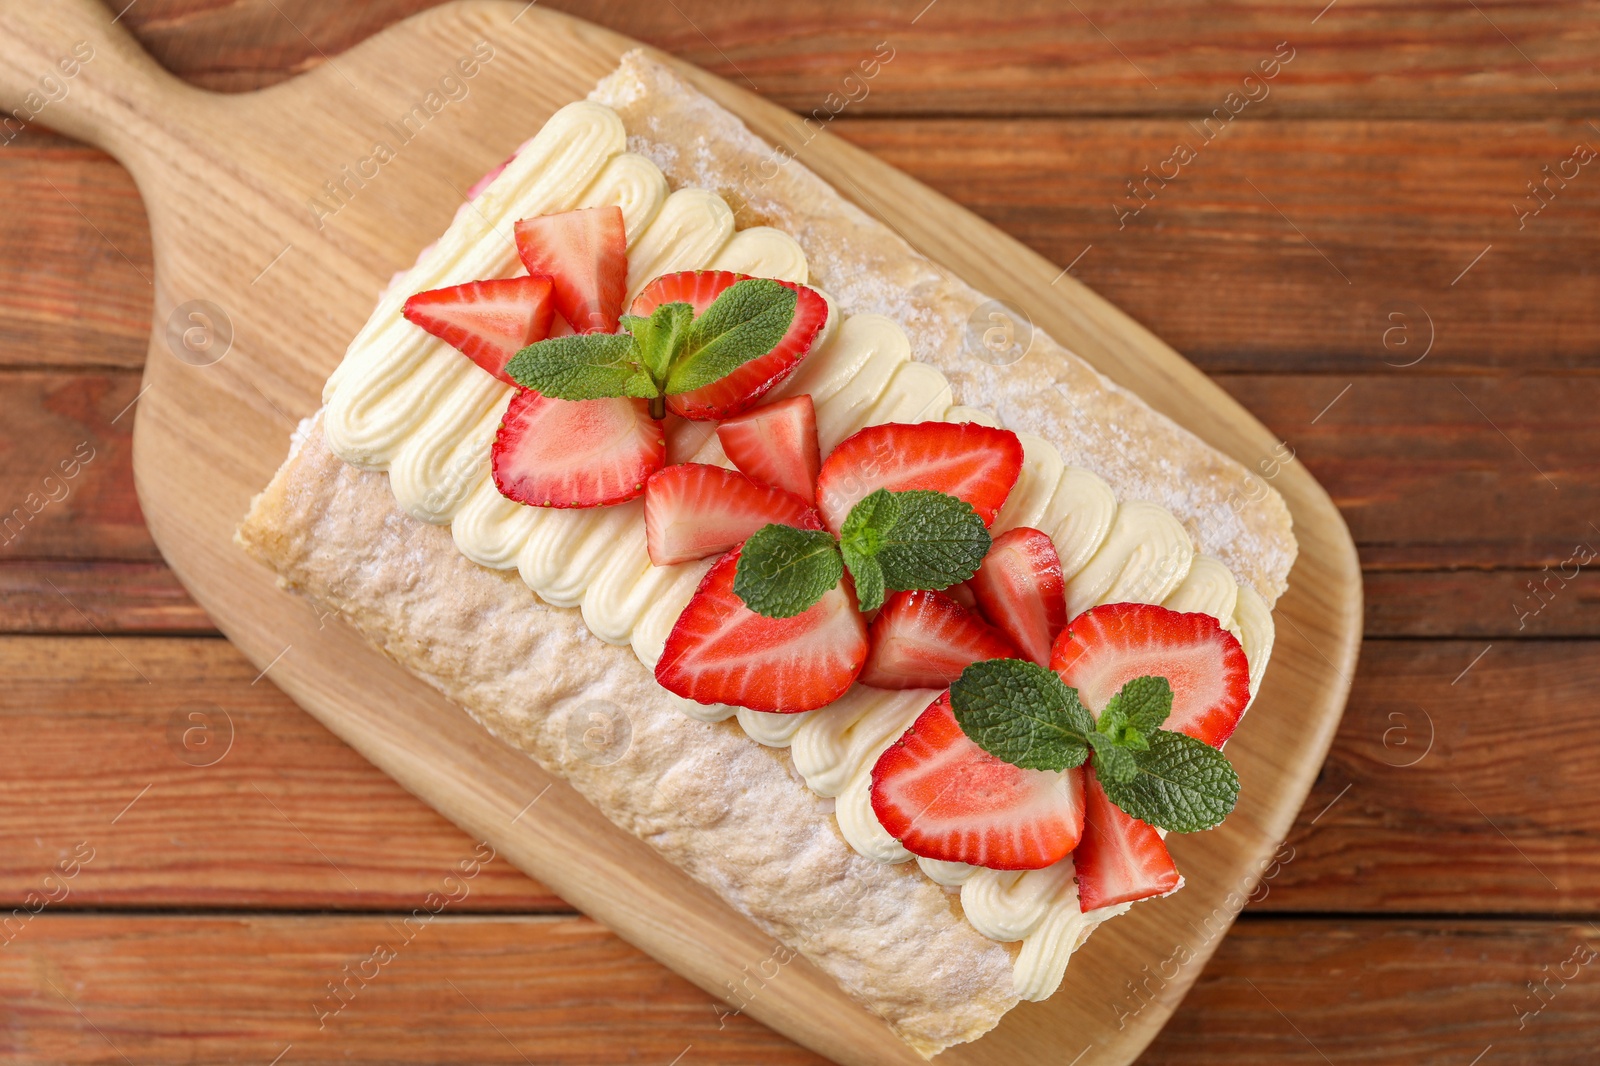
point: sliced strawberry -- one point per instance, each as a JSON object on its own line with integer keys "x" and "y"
{"x": 692, "y": 511}
{"x": 1107, "y": 646}
{"x": 575, "y": 453}
{"x": 489, "y": 321}
{"x": 964, "y": 459}
{"x": 720, "y": 651}
{"x": 776, "y": 444}
{"x": 697, "y": 288}
{"x": 585, "y": 253}
{"x": 1120, "y": 859}
{"x": 962, "y": 594}
{"x": 925, "y": 640}
{"x": 740, "y": 390}
{"x": 943, "y": 797}
{"x": 1020, "y": 589}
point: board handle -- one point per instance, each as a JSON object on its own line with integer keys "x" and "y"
{"x": 69, "y": 65}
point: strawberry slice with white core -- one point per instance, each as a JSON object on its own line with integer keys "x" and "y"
{"x": 720, "y": 651}
{"x": 1105, "y": 647}
{"x": 977, "y": 463}
{"x": 776, "y": 444}
{"x": 1120, "y": 859}
{"x": 488, "y": 321}
{"x": 585, "y": 254}
{"x": 697, "y": 288}
{"x": 692, "y": 511}
{"x": 925, "y": 639}
{"x": 943, "y": 797}
{"x": 1020, "y": 589}
{"x": 740, "y": 390}
{"x": 575, "y": 453}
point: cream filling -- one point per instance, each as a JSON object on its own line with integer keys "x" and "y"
{"x": 404, "y": 402}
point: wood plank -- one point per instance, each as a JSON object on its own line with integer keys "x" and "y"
{"x": 1445, "y": 472}
{"x": 66, "y": 467}
{"x": 199, "y": 786}
{"x": 126, "y": 598}
{"x": 1454, "y": 785}
{"x": 1492, "y": 604}
{"x": 1038, "y": 57}
{"x": 1434, "y": 993}
{"x": 1211, "y": 265}
{"x": 1430, "y": 472}
{"x": 156, "y": 989}
{"x": 1287, "y": 246}
{"x": 98, "y": 596}
{"x": 75, "y": 261}
{"x": 1280, "y": 992}
{"x": 286, "y": 815}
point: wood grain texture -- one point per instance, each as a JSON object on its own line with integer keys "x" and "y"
{"x": 1286, "y": 246}
{"x": 65, "y": 461}
{"x": 75, "y": 267}
{"x": 158, "y": 989}
{"x": 1446, "y": 472}
{"x": 100, "y": 596}
{"x": 1305, "y": 992}
{"x": 1437, "y": 991}
{"x": 289, "y": 818}
{"x": 200, "y": 785}
{"x": 1398, "y": 208}
{"x": 194, "y": 480}
{"x": 1440, "y": 792}
{"x": 1036, "y": 57}
{"x": 1430, "y": 472}
{"x": 1476, "y": 603}
{"x": 44, "y": 596}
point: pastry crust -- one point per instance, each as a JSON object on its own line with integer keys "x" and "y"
{"x": 868, "y": 267}
{"x": 735, "y": 814}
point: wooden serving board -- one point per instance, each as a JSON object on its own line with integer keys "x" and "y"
{"x": 256, "y": 296}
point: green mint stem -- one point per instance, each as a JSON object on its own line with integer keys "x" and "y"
{"x": 658, "y": 407}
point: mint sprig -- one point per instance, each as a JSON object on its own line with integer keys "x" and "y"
{"x": 861, "y": 537}
{"x": 1026, "y": 715}
{"x": 890, "y": 540}
{"x": 658, "y": 336}
{"x": 782, "y": 571}
{"x": 672, "y": 351}
{"x": 746, "y": 322}
{"x": 918, "y": 539}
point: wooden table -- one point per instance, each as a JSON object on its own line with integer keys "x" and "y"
{"x": 1351, "y": 246}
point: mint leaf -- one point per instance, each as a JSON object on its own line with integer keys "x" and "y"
{"x": 588, "y": 366}
{"x": 868, "y": 523}
{"x": 1116, "y": 765}
{"x": 1142, "y": 704}
{"x": 919, "y": 539}
{"x": 1112, "y": 730}
{"x": 782, "y": 570}
{"x": 937, "y": 540}
{"x": 1022, "y": 713}
{"x": 661, "y": 336}
{"x": 860, "y": 538}
{"x": 868, "y": 577}
{"x": 1182, "y": 785}
{"x": 746, "y": 322}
